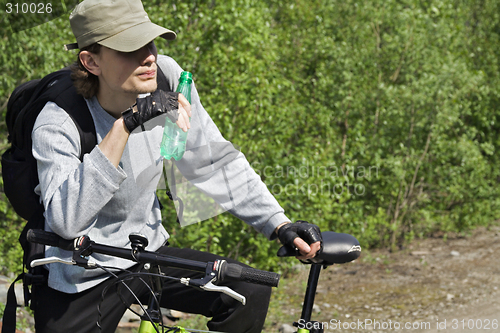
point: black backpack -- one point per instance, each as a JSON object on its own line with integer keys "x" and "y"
{"x": 19, "y": 168}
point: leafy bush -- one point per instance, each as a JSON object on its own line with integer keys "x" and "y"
{"x": 375, "y": 118}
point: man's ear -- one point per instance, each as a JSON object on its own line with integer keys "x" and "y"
{"x": 88, "y": 60}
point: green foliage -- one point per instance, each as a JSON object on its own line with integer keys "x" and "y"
{"x": 10, "y": 228}
{"x": 375, "y": 118}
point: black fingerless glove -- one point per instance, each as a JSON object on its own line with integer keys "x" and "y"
{"x": 310, "y": 233}
{"x": 151, "y": 106}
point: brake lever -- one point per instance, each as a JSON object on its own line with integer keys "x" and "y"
{"x": 51, "y": 260}
{"x": 225, "y": 290}
{"x": 209, "y": 286}
{"x": 205, "y": 282}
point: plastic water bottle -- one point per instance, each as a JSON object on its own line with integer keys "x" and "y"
{"x": 173, "y": 143}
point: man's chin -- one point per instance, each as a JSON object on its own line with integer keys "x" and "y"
{"x": 146, "y": 89}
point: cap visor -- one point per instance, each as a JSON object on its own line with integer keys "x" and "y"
{"x": 136, "y": 37}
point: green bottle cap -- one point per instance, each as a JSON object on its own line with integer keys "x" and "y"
{"x": 186, "y": 76}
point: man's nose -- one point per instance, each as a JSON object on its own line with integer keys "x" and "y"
{"x": 148, "y": 53}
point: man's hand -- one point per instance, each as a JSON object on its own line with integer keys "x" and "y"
{"x": 303, "y": 236}
{"x": 184, "y": 113}
{"x": 173, "y": 104}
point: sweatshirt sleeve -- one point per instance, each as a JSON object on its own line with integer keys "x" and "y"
{"x": 72, "y": 191}
{"x": 215, "y": 167}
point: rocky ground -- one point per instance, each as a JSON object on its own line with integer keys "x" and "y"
{"x": 436, "y": 284}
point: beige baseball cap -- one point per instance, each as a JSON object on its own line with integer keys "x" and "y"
{"x": 121, "y": 25}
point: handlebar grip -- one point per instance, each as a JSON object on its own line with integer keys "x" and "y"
{"x": 248, "y": 274}
{"x": 49, "y": 238}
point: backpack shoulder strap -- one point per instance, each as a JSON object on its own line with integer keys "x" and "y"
{"x": 163, "y": 83}
{"x": 9, "y": 315}
{"x": 76, "y": 106}
{"x": 55, "y": 87}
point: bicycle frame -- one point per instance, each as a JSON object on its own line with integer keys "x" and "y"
{"x": 147, "y": 327}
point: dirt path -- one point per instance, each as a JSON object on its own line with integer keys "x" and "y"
{"x": 435, "y": 285}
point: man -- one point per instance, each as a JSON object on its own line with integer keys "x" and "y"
{"x": 103, "y": 197}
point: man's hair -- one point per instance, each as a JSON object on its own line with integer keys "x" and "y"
{"x": 86, "y": 83}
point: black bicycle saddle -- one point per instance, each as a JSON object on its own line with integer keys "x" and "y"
{"x": 338, "y": 248}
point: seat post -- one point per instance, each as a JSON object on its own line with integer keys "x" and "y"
{"x": 312, "y": 283}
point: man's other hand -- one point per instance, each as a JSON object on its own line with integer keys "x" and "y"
{"x": 303, "y": 236}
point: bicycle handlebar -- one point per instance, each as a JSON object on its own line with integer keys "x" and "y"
{"x": 224, "y": 270}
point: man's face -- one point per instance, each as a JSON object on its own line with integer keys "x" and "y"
{"x": 128, "y": 72}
